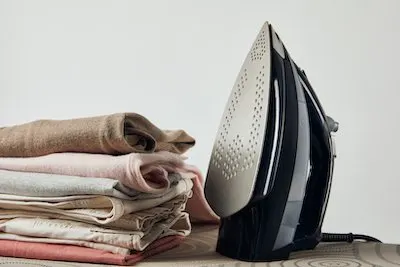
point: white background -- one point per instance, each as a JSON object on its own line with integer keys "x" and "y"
{"x": 176, "y": 61}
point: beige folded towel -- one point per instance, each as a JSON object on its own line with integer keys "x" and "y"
{"x": 101, "y": 209}
{"x": 114, "y": 134}
{"x": 138, "y": 221}
{"x": 39, "y": 185}
{"x": 83, "y": 234}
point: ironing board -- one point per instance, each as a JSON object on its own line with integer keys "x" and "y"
{"x": 199, "y": 250}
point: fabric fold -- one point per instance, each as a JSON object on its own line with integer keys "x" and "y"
{"x": 70, "y": 253}
{"x": 114, "y": 134}
{"x": 80, "y": 243}
{"x": 120, "y": 168}
{"x": 47, "y": 185}
{"x": 83, "y": 234}
{"x": 123, "y": 214}
{"x": 146, "y": 173}
{"x": 138, "y": 221}
{"x": 198, "y": 205}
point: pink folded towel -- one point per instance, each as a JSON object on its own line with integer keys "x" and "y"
{"x": 43, "y": 251}
{"x": 143, "y": 172}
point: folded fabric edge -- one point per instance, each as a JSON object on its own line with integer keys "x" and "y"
{"x": 70, "y": 253}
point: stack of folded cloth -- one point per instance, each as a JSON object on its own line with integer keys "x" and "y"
{"x": 109, "y": 189}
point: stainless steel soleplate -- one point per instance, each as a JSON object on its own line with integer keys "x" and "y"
{"x": 237, "y": 149}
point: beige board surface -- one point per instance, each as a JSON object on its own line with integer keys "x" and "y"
{"x": 199, "y": 250}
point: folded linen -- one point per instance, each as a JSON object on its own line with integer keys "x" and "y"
{"x": 115, "y": 134}
{"x": 138, "y": 221}
{"x": 44, "y": 185}
{"x": 126, "y": 169}
{"x": 88, "y": 244}
{"x": 83, "y": 234}
{"x": 142, "y": 172}
{"x": 121, "y": 214}
{"x": 56, "y": 252}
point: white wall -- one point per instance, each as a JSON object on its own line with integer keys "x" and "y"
{"x": 176, "y": 61}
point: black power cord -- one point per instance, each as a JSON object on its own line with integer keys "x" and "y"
{"x": 350, "y": 237}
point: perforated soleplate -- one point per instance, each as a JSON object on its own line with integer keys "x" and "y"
{"x": 236, "y": 154}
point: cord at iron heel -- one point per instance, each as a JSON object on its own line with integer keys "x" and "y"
{"x": 349, "y": 238}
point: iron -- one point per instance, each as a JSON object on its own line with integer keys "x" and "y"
{"x": 271, "y": 167}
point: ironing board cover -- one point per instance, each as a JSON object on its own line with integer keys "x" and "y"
{"x": 199, "y": 250}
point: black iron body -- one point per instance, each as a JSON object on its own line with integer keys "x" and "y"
{"x": 278, "y": 222}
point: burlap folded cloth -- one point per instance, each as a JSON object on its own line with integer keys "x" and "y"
{"x": 114, "y": 134}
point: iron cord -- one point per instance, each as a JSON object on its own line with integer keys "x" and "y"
{"x": 350, "y": 237}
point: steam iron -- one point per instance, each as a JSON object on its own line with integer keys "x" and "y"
{"x": 270, "y": 171}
